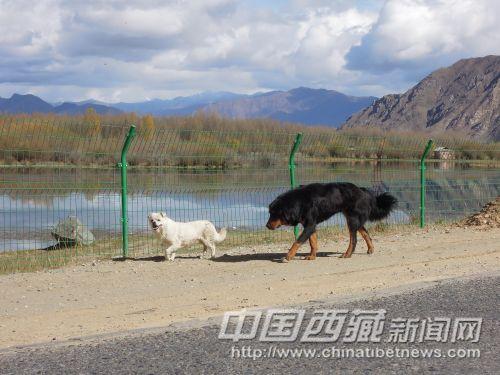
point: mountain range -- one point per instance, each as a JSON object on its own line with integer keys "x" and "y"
{"x": 300, "y": 105}
{"x": 182, "y": 105}
{"x": 462, "y": 98}
{"x": 33, "y": 104}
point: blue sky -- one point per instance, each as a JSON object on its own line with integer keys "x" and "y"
{"x": 136, "y": 50}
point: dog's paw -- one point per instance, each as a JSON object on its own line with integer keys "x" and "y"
{"x": 310, "y": 257}
{"x": 285, "y": 260}
{"x": 345, "y": 255}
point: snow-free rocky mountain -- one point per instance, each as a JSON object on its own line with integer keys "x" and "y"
{"x": 463, "y": 98}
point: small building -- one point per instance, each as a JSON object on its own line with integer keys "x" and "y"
{"x": 444, "y": 153}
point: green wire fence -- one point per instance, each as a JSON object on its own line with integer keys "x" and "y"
{"x": 96, "y": 170}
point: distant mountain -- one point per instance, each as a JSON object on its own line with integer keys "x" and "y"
{"x": 75, "y": 109}
{"x": 182, "y": 105}
{"x": 90, "y": 101}
{"x": 301, "y": 105}
{"x": 24, "y": 104}
{"x": 33, "y": 104}
{"x": 464, "y": 97}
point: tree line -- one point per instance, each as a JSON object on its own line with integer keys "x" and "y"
{"x": 206, "y": 140}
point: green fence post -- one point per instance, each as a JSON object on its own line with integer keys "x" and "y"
{"x": 291, "y": 167}
{"x": 123, "y": 167}
{"x": 422, "y": 182}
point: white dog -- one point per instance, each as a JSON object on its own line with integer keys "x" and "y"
{"x": 176, "y": 235}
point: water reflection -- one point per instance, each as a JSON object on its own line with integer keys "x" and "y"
{"x": 33, "y": 201}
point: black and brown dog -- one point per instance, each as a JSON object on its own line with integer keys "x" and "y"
{"x": 312, "y": 204}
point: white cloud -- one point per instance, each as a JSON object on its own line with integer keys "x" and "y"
{"x": 428, "y": 34}
{"x": 130, "y": 50}
{"x": 28, "y": 34}
{"x": 324, "y": 40}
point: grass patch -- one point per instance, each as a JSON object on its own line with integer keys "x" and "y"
{"x": 36, "y": 260}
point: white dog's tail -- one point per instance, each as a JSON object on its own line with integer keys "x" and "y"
{"x": 221, "y": 236}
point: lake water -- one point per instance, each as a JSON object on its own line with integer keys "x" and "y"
{"x": 33, "y": 201}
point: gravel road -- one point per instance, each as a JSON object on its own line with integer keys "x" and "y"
{"x": 198, "y": 350}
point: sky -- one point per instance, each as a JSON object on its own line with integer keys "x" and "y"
{"x": 138, "y": 50}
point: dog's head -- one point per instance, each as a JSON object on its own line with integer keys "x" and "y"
{"x": 286, "y": 209}
{"x": 156, "y": 220}
{"x": 274, "y": 223}
{"x": 277, "y": 215}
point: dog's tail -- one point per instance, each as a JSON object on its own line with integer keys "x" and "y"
{"x": 382, "y": 206}
{"x": 221, "y": 236}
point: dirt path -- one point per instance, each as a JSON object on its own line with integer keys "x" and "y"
{"x": 114, "y": 296}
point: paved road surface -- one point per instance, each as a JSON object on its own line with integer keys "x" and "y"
{"x": 200, "y": 351}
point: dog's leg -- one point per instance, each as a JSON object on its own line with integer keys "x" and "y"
{"x": 352, "y": 244}
{"x": 205, "y": 248}
{"x": 207, "y": 245}
{"x": 291, "y": 253}
{"x": 304, "y": 236}
{"x": 212, "y": 250}
{"x": 170, "y": 252}
{"x": 367, "y": 239}
{"x": 352, "y": 224}
{"x": 313, "y": 242}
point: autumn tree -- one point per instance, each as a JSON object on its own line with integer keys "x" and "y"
{"x": 92, "y": 121}
{"x": 148, "y": 126}
{"x": 132, "y": 118}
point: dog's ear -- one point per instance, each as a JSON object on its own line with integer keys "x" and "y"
{"x": 163, "y": 214}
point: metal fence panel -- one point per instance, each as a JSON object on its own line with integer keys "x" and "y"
{"x": 52, "y": 168}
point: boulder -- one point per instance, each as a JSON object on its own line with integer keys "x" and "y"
{"x": 71, "y": 232}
